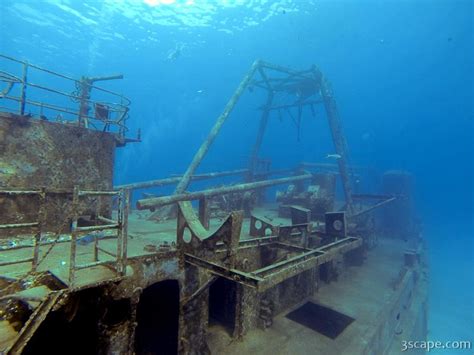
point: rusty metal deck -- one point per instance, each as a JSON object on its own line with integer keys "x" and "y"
{"x": 372, "y": 294}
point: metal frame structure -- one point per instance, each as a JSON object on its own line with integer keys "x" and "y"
{"x": 288, "y": 79}
{"x": 198, "y": 247}
{"x": 266, "y": 277}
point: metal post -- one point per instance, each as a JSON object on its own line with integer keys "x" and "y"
{"x": 122, "y": 116}
{"x": 96, "y": 238}
{"x": 74, "y": 233}
{"x": 85, "y": 91}
{"x": 129, "y": 193}
{"x": 41, "y": 221}
{"x": 124, "y": 226}
{"x": 24, "y": 79}
{"x": 261, "y": 131}
{"x": 337, "y": 137}
{"x": 120, "y": 211}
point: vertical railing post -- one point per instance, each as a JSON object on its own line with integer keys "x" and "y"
{"x": 120, "y": 210}
{"x": 85, "y": 95}
{"x": 74, "y": 232}
{"x": 24, "y": 80}
{"x": 124, "y": 227}
{"x": 121, "y": 119}
{"x": 41, "y": 221}
{"x": 96, "y": 237}
{"x": 130, "y": 200}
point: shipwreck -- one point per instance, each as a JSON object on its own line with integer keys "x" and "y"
{"x": 88, "y": 267}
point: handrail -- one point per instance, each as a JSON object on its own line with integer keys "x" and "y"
{"x": 36, "y": 67}
{"x": 65, "y": 110}
{"x": 62, "y": 75}
{"x": 111, "y": 112}
{"x": 120, "y": 225}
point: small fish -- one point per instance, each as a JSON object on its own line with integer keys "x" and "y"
{"x": 334, "y": 156}
{"x": 175, "y": 53}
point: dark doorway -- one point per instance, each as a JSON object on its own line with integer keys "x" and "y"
{"x": 222, "y": 302}
{"x": 73, "y": 329}
{"x": 158, "y": 319}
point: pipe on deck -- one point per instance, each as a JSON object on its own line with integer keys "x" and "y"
{"x": 177, "y": 179}
{"x": 151, "y": 203}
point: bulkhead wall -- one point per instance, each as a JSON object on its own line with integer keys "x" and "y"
{"x": 38, "y": 153}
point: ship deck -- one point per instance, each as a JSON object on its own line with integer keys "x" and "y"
{"x": 369, "y": 294}
{"x": 144, "y": 239}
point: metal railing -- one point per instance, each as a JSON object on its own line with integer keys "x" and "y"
{"x": 108, "y": 114}
{"x": 120, "y": 225}
{"x": 36, "y": 225}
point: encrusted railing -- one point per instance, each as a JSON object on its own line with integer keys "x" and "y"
{"x": 77, "y": 232}
{"x": 62, "y": 98}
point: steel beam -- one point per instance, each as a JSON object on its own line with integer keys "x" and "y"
{"x": 151, "y": 203}
{"x": 337, "y": 137}
{"x": 183, "y": 184}
{"x": 377, "y": 205}
{"x": 271, "y": 275}
{"x": 299, "y": 104}
{"x": 261, "y": 131}
{"x": 231, "y": 274}
{"x": 19, "y": 225}
{"x": 176, "y": 179}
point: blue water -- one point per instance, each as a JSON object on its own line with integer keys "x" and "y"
{"x": 402, "y": 72}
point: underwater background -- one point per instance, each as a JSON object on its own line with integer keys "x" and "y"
{"x": 402, "y": 74}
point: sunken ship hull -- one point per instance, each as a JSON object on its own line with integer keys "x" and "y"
{"x": 88, "y": 267}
